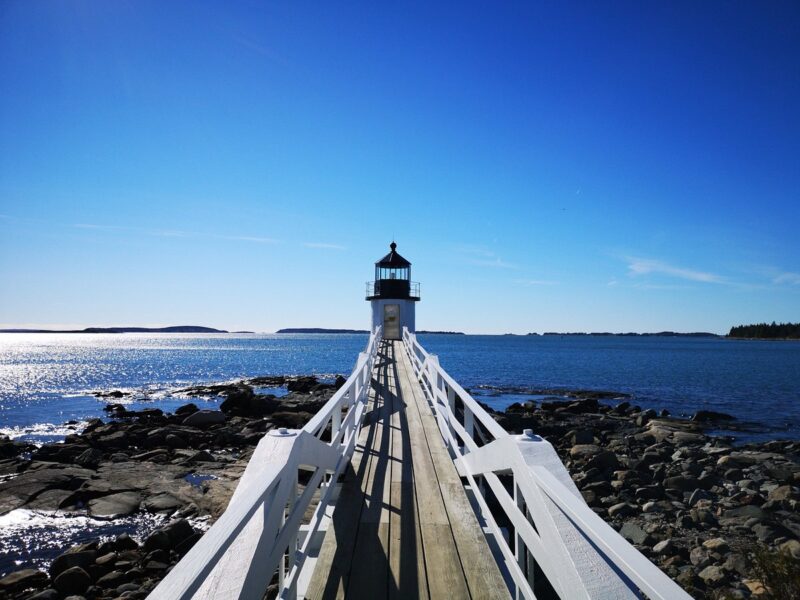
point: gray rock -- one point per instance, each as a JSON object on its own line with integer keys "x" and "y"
{"x": 765, "y": 533}
{"x": 201, "y": 456}
{"x": 699, "y": 557}
{"x": 125, "y": 542}
{"x": 157, "y": 540}
{"x": 737, "y": 564}
{"x": 584, "y": 451}
{"x": 634, "y": 534}
{"x": 205, "y": 418}
{"x": 175, "y": 441}
{"x": 89, "y": 458}
{"x": 162, "y": 503}
{"x": 603, "y": 460}
{"x": 186, "y": 409}
{"x": 712, "y": 575}
{"x": 582, "y": 436}
{"x": 664, "y": 548}
{"x": 72, "y": 559}
{"x": 106, "y": 559}
{"x": 48, "y": 594}
{"x": 114, "y": 506}
{"x": 22, "y": 580}
{"x": 698, "y": 495}
{"x": 716, "y": 545}
{"x": 178, "y": 531}
{"x": 622, "y": 509}
{"x": 72, "y": 581}
{"x": 733, "y": 474}
{"x": 155, "y": 565}
{"x": 681, "y": 483}
{"x": 784, "y": 492}
{"x": 113, "y": 579}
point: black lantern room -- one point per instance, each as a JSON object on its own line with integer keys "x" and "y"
{"x": 393, "y": 278}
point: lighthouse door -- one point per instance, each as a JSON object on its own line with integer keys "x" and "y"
{"x": 391, "y": 321}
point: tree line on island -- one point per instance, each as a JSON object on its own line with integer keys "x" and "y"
{"x": 765, "y": 331}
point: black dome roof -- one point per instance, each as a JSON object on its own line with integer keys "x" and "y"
{"x": 393, "y": 260}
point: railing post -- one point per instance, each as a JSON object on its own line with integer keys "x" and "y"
{"x": 291, "y": 551}
{"x": 524, "y": 560}
{"x": 469, "y": 425}
{"x": 336, "y": 421}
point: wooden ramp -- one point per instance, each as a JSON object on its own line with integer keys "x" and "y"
{"x": 403, "y": 526}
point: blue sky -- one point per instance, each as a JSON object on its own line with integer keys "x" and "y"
{"x": 572, "y": 167}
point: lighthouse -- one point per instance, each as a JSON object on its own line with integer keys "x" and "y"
{"x": 392, "y": 295}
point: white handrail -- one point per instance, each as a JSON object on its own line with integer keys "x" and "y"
{"x": 258, "y": 534}
{"x": 555, "y": 533}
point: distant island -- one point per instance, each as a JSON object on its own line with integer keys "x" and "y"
{"x": 441, "y": 332}
{"x": 172, "y": 329}
{"x": 319, "y": 330}
{"x": 632, "y": 334}
{"x": 764, "y": 331}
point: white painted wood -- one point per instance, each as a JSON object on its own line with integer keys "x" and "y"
{"x": 238, "y": 556}
{"x": 580, "y": 554}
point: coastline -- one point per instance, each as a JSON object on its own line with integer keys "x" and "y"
{"x": 692, "y": 502}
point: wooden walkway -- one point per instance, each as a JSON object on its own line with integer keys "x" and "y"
{"x": 403, "y": 526}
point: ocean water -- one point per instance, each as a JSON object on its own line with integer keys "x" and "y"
{"x": 47, "y": 380}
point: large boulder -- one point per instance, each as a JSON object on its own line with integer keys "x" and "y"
{"x": 114, "y": 506}
{"x": 82, "y": 558}
{"x": 705, "y": 416}
{"x": 243, "y": 402}
{"x": 89, "y": 458}
{"x": 73, "y": 581}
{"x": 163, "y": 502}
{"x": 303, "y": 385}
{"x": 22, "y": 580}
{"x": 205, "y": 418}
{"x": 186, "y": 409}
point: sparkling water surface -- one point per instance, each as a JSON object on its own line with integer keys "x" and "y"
{"x": 47, "y": 380}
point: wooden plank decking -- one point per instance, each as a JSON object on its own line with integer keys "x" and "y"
{"x": 403, "y": 526}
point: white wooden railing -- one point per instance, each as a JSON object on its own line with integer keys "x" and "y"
{"x": 530, "y": 506}
{"x": 264, "y": 517}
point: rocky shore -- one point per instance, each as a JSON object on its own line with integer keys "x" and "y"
{"x": 694, "y": 503}
{"x": 183, "y": 466}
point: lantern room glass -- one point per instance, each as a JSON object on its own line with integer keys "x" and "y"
{"x": 392, "y": 273}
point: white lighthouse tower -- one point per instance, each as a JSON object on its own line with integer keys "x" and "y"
{"x": 393, "y": 295}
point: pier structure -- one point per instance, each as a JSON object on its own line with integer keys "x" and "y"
{"x": 403, "y": 486}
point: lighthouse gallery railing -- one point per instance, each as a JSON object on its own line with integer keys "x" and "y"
{"x": 555, "y": 533}
{"x": 264, "y": 515}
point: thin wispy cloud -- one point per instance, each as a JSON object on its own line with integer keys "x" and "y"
{"x": 102, "y": 227}
{"x": 173, "y": 233}
{"x": 532, "y": 282}
{"x": 786, "y": 277}
{"x": 259, "y": 48}
{"x": 248, "y": 238}
{"x": 323, "y": 246}
{"x": 645, "y": 266}
{"x": 177, "y": 233}
{"x": 483, "y": 257}
{"x": 496, "y": 263}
